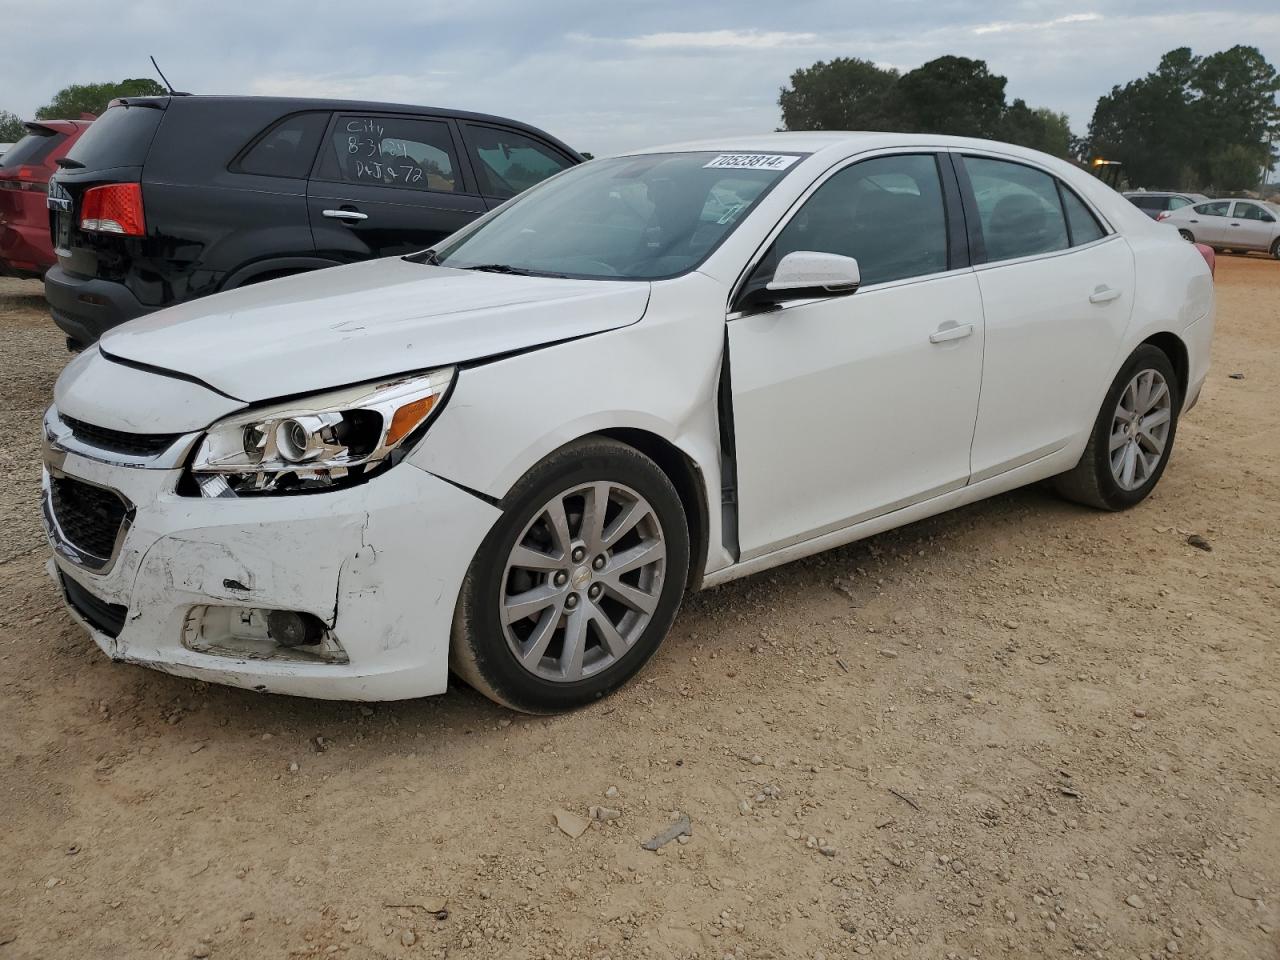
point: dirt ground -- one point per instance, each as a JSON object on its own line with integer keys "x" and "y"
{"x": 1023, "y": 729}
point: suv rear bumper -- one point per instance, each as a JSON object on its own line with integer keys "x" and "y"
{"x": 85, "y": 308}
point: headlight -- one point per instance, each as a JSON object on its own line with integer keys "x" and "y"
{"x": 317, "y": 442}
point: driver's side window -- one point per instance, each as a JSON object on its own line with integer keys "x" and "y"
{"x": 887, "y": 213}
{"x": 1251, "y": 211}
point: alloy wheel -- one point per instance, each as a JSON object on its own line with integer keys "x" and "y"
{"x": 1140, "y": 429}
{"x": 582, "y": 581}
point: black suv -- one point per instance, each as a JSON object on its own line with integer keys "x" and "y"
{"x": 166, "y": 199}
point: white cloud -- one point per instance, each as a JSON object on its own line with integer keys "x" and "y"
{"x": 1014, "y": 26}
{"x": 719, "y": 39}
{"x": 706, "y": 40}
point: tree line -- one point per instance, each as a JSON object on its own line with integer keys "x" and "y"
{"x": 949, "y": 95}
{"x": 1193, "y": 123}
{"x": 77, "y": 101}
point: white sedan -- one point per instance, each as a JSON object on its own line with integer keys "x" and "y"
{"x": 513, "y": 454}
{"x": 1229, "y": 224}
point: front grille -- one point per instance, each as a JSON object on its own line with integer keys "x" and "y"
{"x": 117, "y": 441}
{"x": 89, "y": 517}
{"x": 104, "y": 617}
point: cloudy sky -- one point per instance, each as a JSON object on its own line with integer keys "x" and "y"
{"x": 604, "y": 76}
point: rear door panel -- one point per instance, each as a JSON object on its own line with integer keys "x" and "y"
{"x": 387, "y": 185}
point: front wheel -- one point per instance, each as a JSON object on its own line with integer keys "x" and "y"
{"x": 578, "y": 582}
{"x": 1132, "y": 436}
{"x": 1188, "y": 236}
{"x": 1275, "y": 249}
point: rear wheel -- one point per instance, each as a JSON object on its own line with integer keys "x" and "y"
{"x": 578, "y": 582}
{"x": 1132, "y": 437}
{"x": 1275, "y": 249}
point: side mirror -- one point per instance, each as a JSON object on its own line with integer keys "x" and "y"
{"x": 805, "y": 274}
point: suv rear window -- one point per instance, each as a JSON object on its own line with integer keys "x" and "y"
{"x": 32, "y": 148}
{"x": 118, "y": 138}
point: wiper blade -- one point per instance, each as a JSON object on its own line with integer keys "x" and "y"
{"x": 508, "y": 268}
{"x": 499, "y": 268}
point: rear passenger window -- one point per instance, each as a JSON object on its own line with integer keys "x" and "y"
{"x": 887, "y": 213}
{"x": 1083, "y": 224}
{"x": 508, "y": 163}
{"x": 1018, "y": 208}
{"x": 1216, "y": 209}
{"x": 393, "y": 152}
{"x": 1177, "y": 203}
{"x": 286, "y": 149}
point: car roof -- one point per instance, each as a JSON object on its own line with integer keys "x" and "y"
{"x": 299, "y": 104}
{"x": 837, "y": 141}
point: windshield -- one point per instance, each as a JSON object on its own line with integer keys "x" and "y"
{"x": 633, "y": 218}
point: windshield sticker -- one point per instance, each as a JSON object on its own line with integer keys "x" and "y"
{"x": 751, "y": 161}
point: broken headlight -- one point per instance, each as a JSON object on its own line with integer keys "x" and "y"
{"x": 317, "y": 442}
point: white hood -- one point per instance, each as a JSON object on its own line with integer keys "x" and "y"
{"x": 348, "y": 324}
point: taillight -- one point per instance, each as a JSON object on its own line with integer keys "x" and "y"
{"x": 1163, "y": 215}
{"x": 23, "y": 178}
{"x": 115, "y": 208}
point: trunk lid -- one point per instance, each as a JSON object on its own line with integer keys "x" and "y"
{"x": 113, "y": 150}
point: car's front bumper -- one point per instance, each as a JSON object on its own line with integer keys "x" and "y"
{"x": 380, "y": 564}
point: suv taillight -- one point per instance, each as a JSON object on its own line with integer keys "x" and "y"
{"x": 1164, "y": 215}
{"x": 22, "y": 178}
{"x": 115, "y": 208}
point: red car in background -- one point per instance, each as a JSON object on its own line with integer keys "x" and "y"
{"x": 25, "y": 247}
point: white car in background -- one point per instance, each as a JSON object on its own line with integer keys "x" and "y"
{"x": 514, "y": 453}
{"x": 1230, "y": 224}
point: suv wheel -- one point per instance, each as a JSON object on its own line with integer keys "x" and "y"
{"x": 1132, "y": 437}
{"x": 578, "y": 582}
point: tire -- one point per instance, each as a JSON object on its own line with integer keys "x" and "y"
{"x": 1275, "y": 249}
{"x": 1188, "y": 236}
{"x": 1093, "y": 481}
{"x": 527, "y": 662}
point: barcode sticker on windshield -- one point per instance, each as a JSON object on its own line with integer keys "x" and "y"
{"x": 751, "y": 161}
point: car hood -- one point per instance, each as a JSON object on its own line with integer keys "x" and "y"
{"x": 368, "y": 320}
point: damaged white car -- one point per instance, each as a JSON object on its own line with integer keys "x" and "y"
{"x": 512, "y": 455}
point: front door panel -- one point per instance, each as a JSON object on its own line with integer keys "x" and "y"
{"x": 844, "y": 409}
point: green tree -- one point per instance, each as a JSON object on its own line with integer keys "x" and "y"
{"x": 1234, "y": 169}
{"x": 70, "y": 102}
{"x": 845, "y": 94}
{"x": 954, "y": 95}
{"x": 11, "y": 128}
{"x": 1039, "y": 128}
{"x": 1177, "y": 126}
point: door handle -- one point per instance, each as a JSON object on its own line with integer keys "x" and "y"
{"x": 1235, "y": 224}
{"x": 957, "y": 331}
{"x": 1189, "y": 220}
{"x": 351, "y": 215}
{"x": 1104, "y": 295}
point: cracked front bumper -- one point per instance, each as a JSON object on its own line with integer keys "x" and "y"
{"x": 381, "y": 564}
